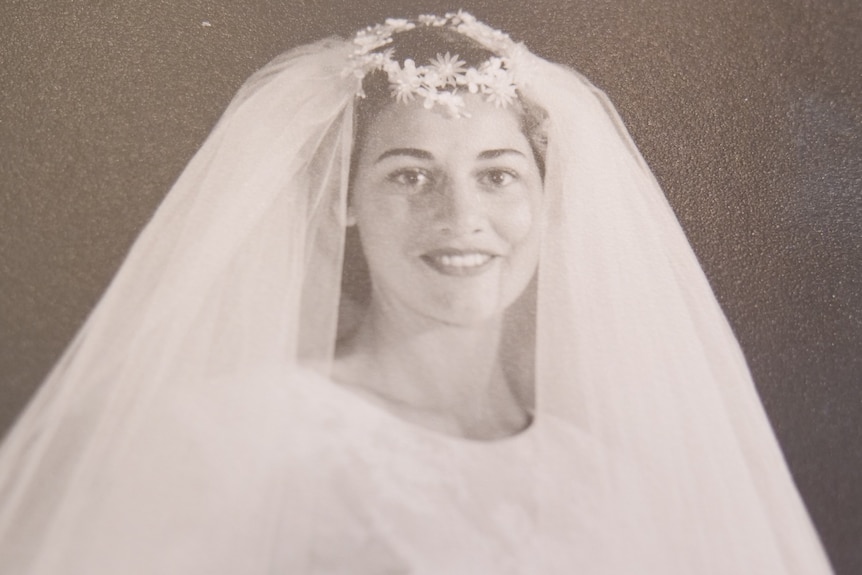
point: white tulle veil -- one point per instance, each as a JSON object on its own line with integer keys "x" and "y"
{"x": 242, "y": 266}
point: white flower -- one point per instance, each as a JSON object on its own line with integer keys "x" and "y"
{"x": 473, "y": 79}
{"x": 430, "y": 78}
{"x": 396, "y": 25}
{"x": 461, "y": 17}
{"x": 403, "y": 92}
{"x": 448, "y": 68}
{"x": 453, "y": 103}
{"x": 430, "y": 96}
{"x": 493, "y": 67}
{"x": 431, "y": 20}
{"x": 375, "y": 61}
{"x": 501, "y": 91}
{"x": 407, "y": 73}
{"x": 406, "y": 81}
{"x": 368, "y": 42}
{"x": 468, "y": 25}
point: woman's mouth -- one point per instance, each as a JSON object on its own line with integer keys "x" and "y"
{"x": 456, "y": 263}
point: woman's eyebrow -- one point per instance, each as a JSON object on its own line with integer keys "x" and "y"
{"x": 413, "y": 152}
{"x": 491, "y": 154}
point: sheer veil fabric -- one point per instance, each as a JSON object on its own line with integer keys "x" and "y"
{"x": 241, "y": 267}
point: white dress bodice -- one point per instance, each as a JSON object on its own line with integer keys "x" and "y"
{"x": 287, "y": 472}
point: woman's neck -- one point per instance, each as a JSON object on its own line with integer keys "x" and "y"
{"x": 445, "y": 377}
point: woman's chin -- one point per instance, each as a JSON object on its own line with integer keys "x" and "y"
{"x": 468, "y": 302}
{"x": 467, "y": 312}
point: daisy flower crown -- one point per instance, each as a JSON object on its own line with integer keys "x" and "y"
{"x": 443, "y": 80}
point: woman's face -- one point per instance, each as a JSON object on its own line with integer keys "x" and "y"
{"x": 447, "y": 210}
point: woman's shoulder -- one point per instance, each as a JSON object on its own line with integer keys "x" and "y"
{"x": 264, "y": 409}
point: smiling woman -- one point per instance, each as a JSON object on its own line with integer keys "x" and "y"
{"x": 449, "y": 212}
{"x": 447, "y": 194}
{"x": 417, "y": 305}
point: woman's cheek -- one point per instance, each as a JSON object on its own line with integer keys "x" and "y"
{"x": 379, "y": 209}
{"x": 514, "y": 220}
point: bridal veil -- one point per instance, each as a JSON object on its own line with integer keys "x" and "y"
{"x": 242, "y": 264}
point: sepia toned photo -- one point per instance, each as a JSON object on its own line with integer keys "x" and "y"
{"x": 298, "y": 287}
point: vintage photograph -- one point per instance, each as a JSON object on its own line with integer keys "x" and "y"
{"x": 414, "y": 287}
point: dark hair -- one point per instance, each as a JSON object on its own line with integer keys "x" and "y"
{"x": 422, "y": 44}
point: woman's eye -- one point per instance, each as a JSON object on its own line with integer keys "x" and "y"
{"x": 498, "y": 178}
{"x": 411, "y": 178}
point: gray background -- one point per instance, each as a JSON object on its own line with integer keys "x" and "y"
{"x": 748, "y": 111}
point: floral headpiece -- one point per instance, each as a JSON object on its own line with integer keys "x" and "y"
{"x": 439, "y": 81}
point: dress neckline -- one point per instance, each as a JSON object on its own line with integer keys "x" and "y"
{"x": 377, "y": 409}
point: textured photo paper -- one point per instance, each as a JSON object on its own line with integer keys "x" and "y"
{"x": 746, "y": 116}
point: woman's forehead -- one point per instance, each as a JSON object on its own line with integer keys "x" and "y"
{"x": 410, "y": 125}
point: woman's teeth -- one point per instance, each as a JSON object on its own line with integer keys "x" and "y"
{"x": 463, "y": 260}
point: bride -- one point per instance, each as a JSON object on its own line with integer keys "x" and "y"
{"x": 416, "y": 306}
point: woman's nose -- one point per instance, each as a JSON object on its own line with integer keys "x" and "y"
{"x": 460, "y": 209}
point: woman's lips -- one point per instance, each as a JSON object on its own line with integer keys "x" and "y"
{"x": 457, "y": 262}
